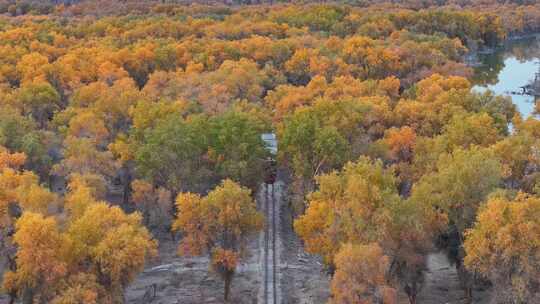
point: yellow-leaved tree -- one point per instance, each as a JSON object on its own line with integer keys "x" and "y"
{"x": 88, "y": 254}
{"x": 360, "y": 205}
{"x": 360, "y": 276}
{"x": 220, "y": 225}
{"x": 504, "y": 246}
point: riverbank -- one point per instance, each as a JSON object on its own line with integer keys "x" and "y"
{"x": 473, "y": 57}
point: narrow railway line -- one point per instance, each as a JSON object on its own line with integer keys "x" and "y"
{"x": 269, "y": 294}
{"x": 270, "y": 261}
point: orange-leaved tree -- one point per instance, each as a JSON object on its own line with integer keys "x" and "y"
{"x": 88, "y": 254}
{"x": 361, "y": 276}
{"x": 504, "y": 247}
{"x": 349, "y": 206}
{"x": 218, "y": 224}
{"x": 20, "y": 192}
{"x": 360, "y": 205}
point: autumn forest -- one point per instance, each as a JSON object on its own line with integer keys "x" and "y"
{"x": 131, "y": 142}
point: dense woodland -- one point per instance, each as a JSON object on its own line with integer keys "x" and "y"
{"x": 125, "y": 123}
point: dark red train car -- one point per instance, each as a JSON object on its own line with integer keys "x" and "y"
{"x": 270, "y": 167}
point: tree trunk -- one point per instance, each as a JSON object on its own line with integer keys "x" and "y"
{"x": 11, "y": 297}
{"x": 228, "y": 280}
{"x": 412, "y": 298}
{"x": 174, "y": 213}
{"x": 11, "y": 264}
{"x": 468, "y": 294}
{"x": 412, "y": 292}
{"x": 127, "y": 179}
{"x": 466, "y": 280}
{"x": 28, "y": 296}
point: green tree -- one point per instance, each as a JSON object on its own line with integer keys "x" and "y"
{"x": 20, "y": 133}
{"x": 318, "y": 138}
{"x": 461, "y": 182}
{"x": 236, "y": 147}
{"x": 39, "y": 99}
{"x": 173, "y": 153}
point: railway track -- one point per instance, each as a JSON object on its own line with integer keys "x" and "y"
{"x": 270, "y": 260}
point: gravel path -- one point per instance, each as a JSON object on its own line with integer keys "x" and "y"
{"x": 442, "y": 284}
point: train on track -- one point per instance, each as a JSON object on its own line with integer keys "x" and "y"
{"x": 270, "y": 166}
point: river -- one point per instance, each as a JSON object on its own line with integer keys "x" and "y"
{"x": 508, "y": 68}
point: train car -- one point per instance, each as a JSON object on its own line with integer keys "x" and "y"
{"x": 270, "y": 167}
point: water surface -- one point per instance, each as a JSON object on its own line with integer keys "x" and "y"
{"x": 508, "y": 68}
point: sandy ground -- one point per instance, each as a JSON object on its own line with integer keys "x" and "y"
{"x": 442, "y": 285}
{"x": 303, "y": 280}
{"x": 187, "y": 280}
{"x": 302, "y": 277}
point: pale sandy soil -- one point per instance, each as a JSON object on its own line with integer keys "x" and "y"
{"x": 188, "y": 281}
{"x": 302, "y": 277}
{"x": 442, "y": 285}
